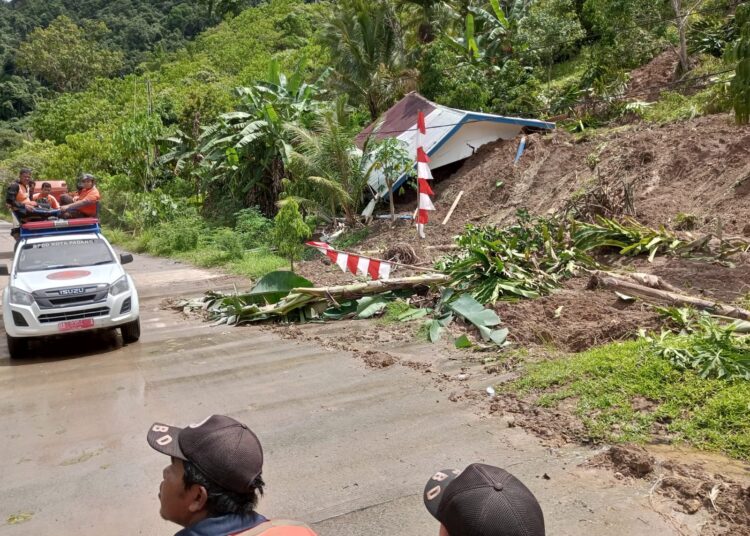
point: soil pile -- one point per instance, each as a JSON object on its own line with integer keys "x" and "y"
{"x": 648, "y": 81}
{"x": 575, "y": 319}
{"x": 690, "y": 485}
{"x": 699, "y": 168}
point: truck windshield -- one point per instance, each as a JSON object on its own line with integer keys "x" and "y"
{"x": 63, "y": 254}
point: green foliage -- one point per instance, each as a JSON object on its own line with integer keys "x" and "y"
{"x": 255, "y": 264}
{"x": 483, "y": 319}
{"x": 704, "y": 345}
{"x": 350, "y": 238}
{"x": 274, "y": 286}
{"x": 135, "y": 142}
{"x": 66, "y": 56}
{"x": 253, "y": 227}
{"x": 289, "y": 231}
{"x": 229, "y": 242}
{"x": 629, "y": 237}
{"x": 366, "y": 45}
{"x": 171, "y": 237}
{"x": 328, "y": 172}
{"x": 515, "y": 90}
{"x": 624, "y": 41}
{"x": 685, "y": 221}
{"x": 17, "y": 96}
{"x": 391, "y": 158}
{"x": 466, "y": 88}
{"x": 604, "y": 384}
{"x": 741, "y": 54}
{"x": 10, "y": 140}
{"x": 711, "y": 36}
{"x": 551, "y": 30}
{"x": 525, "y": 260}
{"x": 246, "y": 151}
{"x": 395, "y": 309}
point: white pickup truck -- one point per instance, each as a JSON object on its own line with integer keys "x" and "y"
{"x": 66, "y": 277}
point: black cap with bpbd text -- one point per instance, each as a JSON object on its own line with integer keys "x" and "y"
{"x": 223, "y": 449}
{"x": 483, "y": 500}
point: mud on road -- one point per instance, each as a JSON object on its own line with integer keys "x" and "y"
{"x": 348, "y": 445}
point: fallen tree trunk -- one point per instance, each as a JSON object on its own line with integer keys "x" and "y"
{"x": 648, "y": 280}
{"x": 356, "y": 290}
{"x": 673, "y": 298}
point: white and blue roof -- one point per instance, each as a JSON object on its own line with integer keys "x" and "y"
{"x": 452, "y": 134}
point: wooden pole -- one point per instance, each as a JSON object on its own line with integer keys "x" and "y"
{"x": 356, "y": 290}
{"x": 669, "y": 297}
{"x": 453, "y": 207}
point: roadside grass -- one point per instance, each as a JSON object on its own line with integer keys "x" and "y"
{"x": 621, "y": 392}
{"x": 393, "y": 310}
{"x": 254, "y": 263}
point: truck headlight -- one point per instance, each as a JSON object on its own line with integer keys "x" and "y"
{"x": 120, "y": 286}
{"x": 20, "y": 297}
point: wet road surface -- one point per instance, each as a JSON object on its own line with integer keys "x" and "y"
{"x": 348, "y": 449}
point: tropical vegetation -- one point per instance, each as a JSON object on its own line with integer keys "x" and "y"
{"x": 192, "y": 112}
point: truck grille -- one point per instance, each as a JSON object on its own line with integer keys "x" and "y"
{"x": 68, "y": 296}
{"x": 74, "y": 315}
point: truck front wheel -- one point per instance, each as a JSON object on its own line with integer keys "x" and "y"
{"x": 17, "y": 347}
{"x": 131, "y": 331}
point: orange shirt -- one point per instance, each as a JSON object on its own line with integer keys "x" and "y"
{"x": 23, "y": 195}
{"x": 92, "y": 195}
{"x": 49, "y": 199}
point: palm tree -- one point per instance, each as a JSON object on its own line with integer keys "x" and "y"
{"x": 366, "y": 44}
{"x": 425, "y": 15}
{"x": 328, "y": 172}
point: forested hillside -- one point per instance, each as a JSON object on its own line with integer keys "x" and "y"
{"x": 216, "y": 132}
{"x": 118, "y": 35}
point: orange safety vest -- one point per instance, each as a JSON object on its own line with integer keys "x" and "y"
{"x": 23, "y": 194}
{"x": 278, "y": 527}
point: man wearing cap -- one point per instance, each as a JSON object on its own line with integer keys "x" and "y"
{"x": 213, "y": 482}
{"x": 482, "y": 500}
{"x": 83, "y": 204}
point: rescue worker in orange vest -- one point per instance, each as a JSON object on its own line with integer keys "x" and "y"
{"x": 213, "y": 482}
{"x": 17, "y": 196}
{"x": 45, "y": 199}
{"x": 84, "y": 204}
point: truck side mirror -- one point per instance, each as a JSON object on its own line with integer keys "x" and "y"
{"x": 4, "y": 269}
{"x": 125, "y": 258}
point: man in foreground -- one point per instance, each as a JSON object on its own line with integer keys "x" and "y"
{"x": 482, "y": 501}
{"x": 213, "y": 482}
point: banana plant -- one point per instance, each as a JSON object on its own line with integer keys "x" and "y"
{"x": 247, "y": 150}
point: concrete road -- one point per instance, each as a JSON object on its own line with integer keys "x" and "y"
{"x": 347, "y": 448}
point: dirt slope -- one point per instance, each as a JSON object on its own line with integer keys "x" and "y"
{"x": 699, "y": 167}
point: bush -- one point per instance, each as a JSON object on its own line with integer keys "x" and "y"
{"x": 141, "y": 211}
{"x": 229, "y": 242}
{"x": 171, "y": 237}
{"x": 253, "y": 227}
{"x": 515, "y": 90}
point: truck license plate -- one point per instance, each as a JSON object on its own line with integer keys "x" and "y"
{"x": 73, "y": 325}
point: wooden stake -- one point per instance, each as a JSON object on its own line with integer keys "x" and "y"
{"x": 453, "y": 207}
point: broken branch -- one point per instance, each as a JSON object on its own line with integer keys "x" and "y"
{"x": 673, "y": 298}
